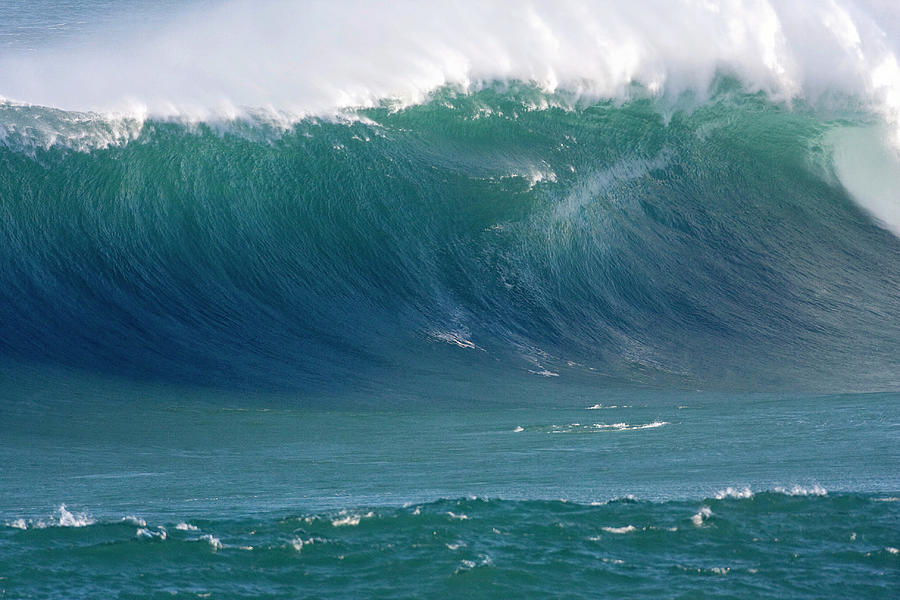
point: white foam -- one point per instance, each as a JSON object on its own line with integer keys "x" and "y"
{"x": 186, "y": 527}
{"x": 458, "y": 517}
{"x": 159, "y": 534}
{"x": 797, "y": 490}
{"x": 518, "y": 429}
{"x": 702, "y": 515}
{"x": 602, "y": 427}
{"x": 68, "y": 519}
{"x": 730, "y": 492}
{"x": 299, "y": 543}
{"x": 620, "y": 530}
{"x": 456, "y": 338}
{"x": 305, "y": 57}
{"x": 213, "y": 541}
{"x": 18, "y": 524}
{"x": 135, "y": 521}
{"x": 544, "y": 373}
{"x": 483, "y": 561}
{"x": 652, "y": 425}
{"x": 350, "y": 519}
{"x": 892, "y": 550}
{"x": 627, "y": 427}
{"x": 626, "y": 497}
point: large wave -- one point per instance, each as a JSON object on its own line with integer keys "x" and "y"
{"x": 289, "y": 195}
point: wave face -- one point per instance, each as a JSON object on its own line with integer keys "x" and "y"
{"x": 706, "y": 243}
{"x": 287, "y": 196}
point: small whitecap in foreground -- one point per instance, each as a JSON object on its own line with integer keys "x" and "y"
{"x": 620, "y": 530}
{"x": 213, "y": 541}
{"x": 702, "y": 515}
{"x": 467, "y": 565}
{"x": 68, "y": 519}
{"x": 350, "y": 519}
{"x": 160, "y": 534}
{"x": 797, "y": 490}
{"x": 736, "y": 493}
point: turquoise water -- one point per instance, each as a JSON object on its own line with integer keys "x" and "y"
{"x": 502, "y": 339}
{"x": 649, "y": 494}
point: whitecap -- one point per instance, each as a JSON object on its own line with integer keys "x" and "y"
{"x": 18, "y": 524}
{"x": 186, "y": 527}
{"x": 703, "y": 514}
{"x": 620, "y": 530}
{"x": 213, "y": 541}
{"x": 68, "y": 519}
{"x": 299, "y": 543}
{"x": 730, "y": 492}
{"x": 797, "y": 490}
{"x": 159, "y": 534}
{"x": 456, "y": 338}
{"x": 466, "y": 565}
{"x": 544, "y": 373}
{"x": 350, "y": 519}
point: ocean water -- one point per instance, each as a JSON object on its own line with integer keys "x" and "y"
{"x": 567, "y": 300}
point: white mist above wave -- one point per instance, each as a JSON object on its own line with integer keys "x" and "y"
{"x": 308, "y": 58}
{"x": 291, "y": 59}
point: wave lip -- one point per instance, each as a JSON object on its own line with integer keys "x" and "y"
{"x": 300, "y": 58}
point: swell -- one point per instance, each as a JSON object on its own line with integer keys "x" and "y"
{"x": 505, "y": 231}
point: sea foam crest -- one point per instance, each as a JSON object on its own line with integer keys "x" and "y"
{"x": 159, "y": 533}
{"x": 702, "y": 515}
{"x": 350, "y": 519}
{"x": 311, "y": 57}
{"x": 213, "y": 541}
{"x": 620, "y": 530}
{"x": 799, "y": 490}
{"x": 737, "y": 493}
